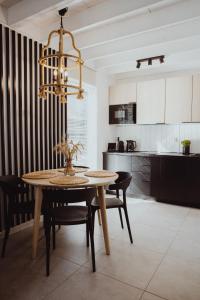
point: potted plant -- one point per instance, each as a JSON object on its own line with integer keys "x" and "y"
{"x": 186, "y": 146}
{"x": 70, "y": 150}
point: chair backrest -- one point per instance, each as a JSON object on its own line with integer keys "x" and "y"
{"x": 68, "y": 195}
{"x": 83, "y": 167}
{"x": 10, "y": 184}
{"x": 122, "y": 182}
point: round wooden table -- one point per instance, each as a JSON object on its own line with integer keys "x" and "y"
{"x": 98, "y": 183}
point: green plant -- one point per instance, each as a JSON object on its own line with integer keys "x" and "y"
{"x": 186, "y": 142}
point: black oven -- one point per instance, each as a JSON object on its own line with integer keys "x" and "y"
{"x": 122, "y": 113}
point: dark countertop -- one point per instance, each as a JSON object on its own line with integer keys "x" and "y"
{"x": 155, "y": 154}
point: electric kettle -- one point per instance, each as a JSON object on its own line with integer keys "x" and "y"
{"x": 130, "y": 145}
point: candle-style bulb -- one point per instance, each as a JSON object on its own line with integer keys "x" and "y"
{"x": 55, "y": 74}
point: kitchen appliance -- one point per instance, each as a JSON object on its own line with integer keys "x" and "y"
{"x": 130, "y": 145}
{"x": 122, "y": 114}
{"x": 120, "y": 145}
{"x": 112, "y": 147}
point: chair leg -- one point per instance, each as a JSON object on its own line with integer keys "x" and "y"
{"x": 54, "y": 236}
{"x": 93, "y": 219}
{"x": 47, "y": 235}
{"x": 91, "y": 231}
{"x": 128, "y": 224}
{"x": 120, "y": 215}
{"x": 87, "y": 235}
{"x": 6, "y": 235}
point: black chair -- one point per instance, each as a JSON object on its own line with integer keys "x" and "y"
{"x": 121, "y": 183}
{"x": 54, "y": 214}
{"x": 82, "y": 167}
{"x": 13, "y": 188}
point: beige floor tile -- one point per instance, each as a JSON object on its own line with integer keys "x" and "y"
{"x": 185, "y": 247}
{"x": 85, "y": 285}
{"x": 177, "y": 279}
{"x": 148, "y": 296}
{"x": 129, "y": 264}
{"x": 32, "y": 284}
{"x": 191, "y": 226}
{"x": 147, "y": 237}
{"x": 71, "y": 245}
{"x": 160, "y": 215}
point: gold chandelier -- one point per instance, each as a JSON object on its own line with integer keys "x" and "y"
{"x": 60, "y": 64}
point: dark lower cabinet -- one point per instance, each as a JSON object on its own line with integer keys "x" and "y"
{"x": 176, "y": 180}
{"x": 173, "y": 179}
{"x": 169, "y": 179}
{"x": 141, "y": 184}
{"x": 139, "y": 167}
{"x": 141, "y": 174}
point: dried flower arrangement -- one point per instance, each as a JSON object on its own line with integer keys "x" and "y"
{"x": 70, "y": 150}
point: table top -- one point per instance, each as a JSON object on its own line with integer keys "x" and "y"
{"x": 91, "y": 181}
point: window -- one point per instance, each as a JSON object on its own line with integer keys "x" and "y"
{"x": 82, "y": 127}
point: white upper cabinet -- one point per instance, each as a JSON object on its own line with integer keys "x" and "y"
{"x": 151, "y": 102}
{"x": 178, "y": 99}
{"x": 122, "y": 93}
{"x": 196, "y": 99}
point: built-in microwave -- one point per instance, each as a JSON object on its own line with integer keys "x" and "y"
{"x": 122, "y": 113}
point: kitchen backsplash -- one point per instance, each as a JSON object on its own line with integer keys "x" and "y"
{"x": 161, "y": 138}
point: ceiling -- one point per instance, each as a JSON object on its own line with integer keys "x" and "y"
{"x": 113, "y": 34}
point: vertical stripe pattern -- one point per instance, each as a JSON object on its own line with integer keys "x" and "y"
{"x": 29, "y": 127}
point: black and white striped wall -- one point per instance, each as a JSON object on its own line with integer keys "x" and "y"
{"x": 29, "y": 127}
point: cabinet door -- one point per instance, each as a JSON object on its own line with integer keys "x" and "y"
{"x": 117, "y": 162}
{"x": 178, "y": 99}
{"x": 122, "y": 93}
{"x": 196, "y": 99}
{"x": 174, "y": 180}
{"x": 151, "y": 102}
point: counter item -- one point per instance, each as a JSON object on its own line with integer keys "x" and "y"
{"x": 120, "y": 145}
{"x": 112, "y": 147}
{"x": 186, "y": 146}
{"x": 130, "y": 146}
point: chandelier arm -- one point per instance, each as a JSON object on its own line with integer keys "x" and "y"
{"x": 62, "y": 85}
{"x": 73, "y": 43}
{"x": 80, "y": 94}
{"x": 60, "y": 59}
{"x": 80, "y": 82}
{"x": 49, "y": 39}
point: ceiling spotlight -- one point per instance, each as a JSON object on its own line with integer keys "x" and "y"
{"x": 150, "y": 60}
{"x": 162, "y": 59}
{"x": 138, "y": 64}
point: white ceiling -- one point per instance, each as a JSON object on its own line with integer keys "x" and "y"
{"x": 113, "y": 34}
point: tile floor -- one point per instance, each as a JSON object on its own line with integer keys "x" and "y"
{"x": 163, "y": 263}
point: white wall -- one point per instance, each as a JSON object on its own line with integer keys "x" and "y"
{"x": 162, "y": 138}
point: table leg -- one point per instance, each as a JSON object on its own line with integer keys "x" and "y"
{"x": 99, "y": 217}
{"x": 36, "y": 225}
{"x": 104, "y": 218}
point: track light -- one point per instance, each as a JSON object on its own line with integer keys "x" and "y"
{"x": 138, "y": 64}
{"x": 150, "y": 60}
{"x": 162, "y": 59}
